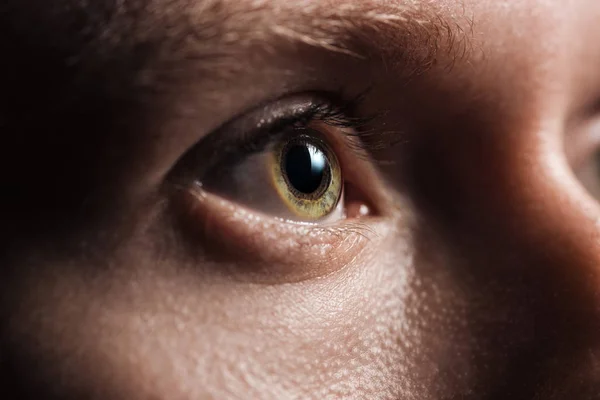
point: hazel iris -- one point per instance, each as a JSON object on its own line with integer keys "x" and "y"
{"x": 307, "y": 176}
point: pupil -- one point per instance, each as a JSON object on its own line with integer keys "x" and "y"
{"x": 305, "y": 166}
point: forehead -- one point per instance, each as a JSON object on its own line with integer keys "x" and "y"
{"x": 137, "y": 40}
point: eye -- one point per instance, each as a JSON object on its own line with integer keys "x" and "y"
{"x": 274, "y": 195}
{"x": 583, "y": 151}
{"x": 285, "y": 160}
{"x": 589, "y": 175}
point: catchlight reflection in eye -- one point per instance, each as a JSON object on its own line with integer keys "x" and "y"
{"x": 307, "y": 176}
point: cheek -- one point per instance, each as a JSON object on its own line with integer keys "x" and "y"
{"x": 144, "y": 329}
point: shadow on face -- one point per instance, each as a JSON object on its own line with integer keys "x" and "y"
{"x": 219, "y": 199}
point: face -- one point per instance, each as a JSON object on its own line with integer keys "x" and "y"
{"x": 289, "y": 199}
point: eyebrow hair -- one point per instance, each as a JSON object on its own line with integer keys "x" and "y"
{"x": 360, "y": 29}
{"x": 86, "y": 67}
{"x": 212, "y": 33}
{"x": 110, "y": 46}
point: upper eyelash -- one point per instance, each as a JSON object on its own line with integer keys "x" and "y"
{"x": 234, "y": 141}
{"x": 339, "y": 113}
{"x": 344, "y": 115}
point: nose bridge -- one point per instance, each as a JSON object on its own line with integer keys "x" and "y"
{"x": 523, "y": 189}
{"x": 521, "y": 183}
{"x": 555, "y": 217}
{"x": 555, "y": 222}
{"x": 564, "y": 216}
{"x": 523, "y": 233}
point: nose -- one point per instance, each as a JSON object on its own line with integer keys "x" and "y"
{"x": 526, "y": 232}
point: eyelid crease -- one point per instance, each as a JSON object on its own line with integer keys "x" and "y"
{"x": 253, "y": 130}
{"x": 364, "y": 137}
{"x": 342, "y": 114}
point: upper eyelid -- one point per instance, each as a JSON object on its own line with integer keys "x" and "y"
{"x": 311, "y": 110}
{"x": 336, "y": 110}
{"x": 270, "y": 117}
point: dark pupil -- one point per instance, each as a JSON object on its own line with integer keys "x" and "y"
{"x": 305, "y": 166}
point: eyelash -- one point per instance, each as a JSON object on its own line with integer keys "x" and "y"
{"x": 245, "y": 136}
{"x": 337, "y": 113}
{"x": 342, "y": 114}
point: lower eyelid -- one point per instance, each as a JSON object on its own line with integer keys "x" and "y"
{"x": 266, "y": 250}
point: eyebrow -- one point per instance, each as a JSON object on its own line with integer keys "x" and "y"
{"x": 212, "y": 32}
{"x": 129, "y": 49}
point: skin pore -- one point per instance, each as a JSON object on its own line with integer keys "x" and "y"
{"x": 139, "y": 262}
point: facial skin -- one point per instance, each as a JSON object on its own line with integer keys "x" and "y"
{"x": 474, "y": 275}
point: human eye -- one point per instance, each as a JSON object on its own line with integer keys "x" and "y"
{"x": 292, "y": 177}
{"x": 583, "y": 151}
{"x": 286, "y": 161}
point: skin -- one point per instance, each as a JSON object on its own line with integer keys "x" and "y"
{"x": 476, "y": 274}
